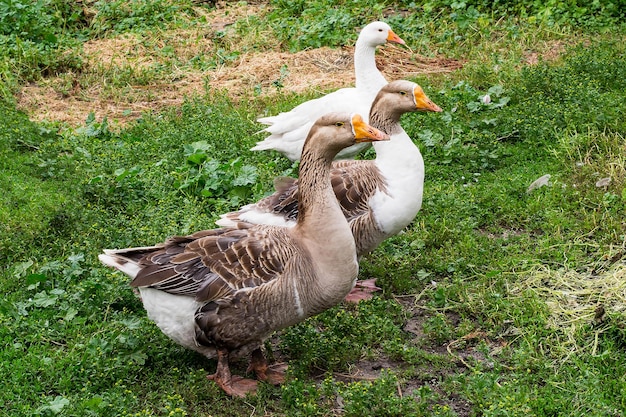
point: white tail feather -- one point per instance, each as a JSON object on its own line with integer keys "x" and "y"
{"x": 110, "y": 259}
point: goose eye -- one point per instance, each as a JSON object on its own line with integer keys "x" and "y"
{"x": 380, "y": 30}
{"x": 403, "y": 93}
{"x": 339, "y": 124}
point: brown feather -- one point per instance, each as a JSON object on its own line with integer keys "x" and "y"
{"x": 212, "y": 265}
{"x": 232, "y": 287}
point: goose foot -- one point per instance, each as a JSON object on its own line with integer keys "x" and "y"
{"x": 233, "y": 385}
{"x": 274, "y": 374}
{"x": 362, "y": 291}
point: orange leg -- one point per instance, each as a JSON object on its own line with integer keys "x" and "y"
{"x": 274, "y": 375}
{"x": 232, "y": 385}
{"x": 362, "y": 291}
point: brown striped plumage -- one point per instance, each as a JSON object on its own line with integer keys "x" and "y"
{"x": 223, "y": 291}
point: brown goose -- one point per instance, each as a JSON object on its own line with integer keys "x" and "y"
{"x": 221, "y": 292}
{"x": 289, "y": 129}
{"x": 379, "y": 197}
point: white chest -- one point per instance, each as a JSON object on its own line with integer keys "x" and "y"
{"x": 397, "y": 207}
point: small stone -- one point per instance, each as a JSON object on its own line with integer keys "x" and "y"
{"x": 539, "y": 182}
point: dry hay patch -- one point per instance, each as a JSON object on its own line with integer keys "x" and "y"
{"x": 577, "y": 300}
{"x": 248, "y": 75}
{"x": 44, "y": 103}
{"x": 320, "y": 69}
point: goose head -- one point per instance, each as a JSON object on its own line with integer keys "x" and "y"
{"x": 336, "y": 131}
{"x": 378, "y": 33}
{"x": 399, "y": 97}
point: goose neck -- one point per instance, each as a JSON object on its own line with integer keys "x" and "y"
{"x": 368, "y": 77}
{"x": 317, "y": 204}
{"x": 323, "y": 229}
{"x": 385, "y": 120}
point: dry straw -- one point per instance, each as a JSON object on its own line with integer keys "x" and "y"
{"x": 578, "y": 301}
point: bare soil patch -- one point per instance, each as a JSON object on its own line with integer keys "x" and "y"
{"x": 551, "y": 51}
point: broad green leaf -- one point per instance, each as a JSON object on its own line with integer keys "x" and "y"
{"x": 43, "y": 299}
{"x": 20, "y": 268}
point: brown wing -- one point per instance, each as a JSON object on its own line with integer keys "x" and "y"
{"x": 354, "y": 183}
{"x": 214, "y": 264}
{"x": 284, "y": 201}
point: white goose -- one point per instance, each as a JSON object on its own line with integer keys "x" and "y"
{"x": 221, "y": 292}
{"x": 379, "y": 197}
{"x": 289, "y": 129}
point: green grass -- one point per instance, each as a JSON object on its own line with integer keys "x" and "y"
{"x": 489, "y": 297}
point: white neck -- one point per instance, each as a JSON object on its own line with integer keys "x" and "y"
{"x": 368, "y": 77}
{"x": 398, "y": 157}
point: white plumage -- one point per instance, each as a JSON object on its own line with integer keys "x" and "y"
{"x": 288, "y": 130}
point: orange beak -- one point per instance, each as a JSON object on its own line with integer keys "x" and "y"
{"x": 364, "y": 132}
{"x": 392, "y": 37}
{"x": 422, "y": 102}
